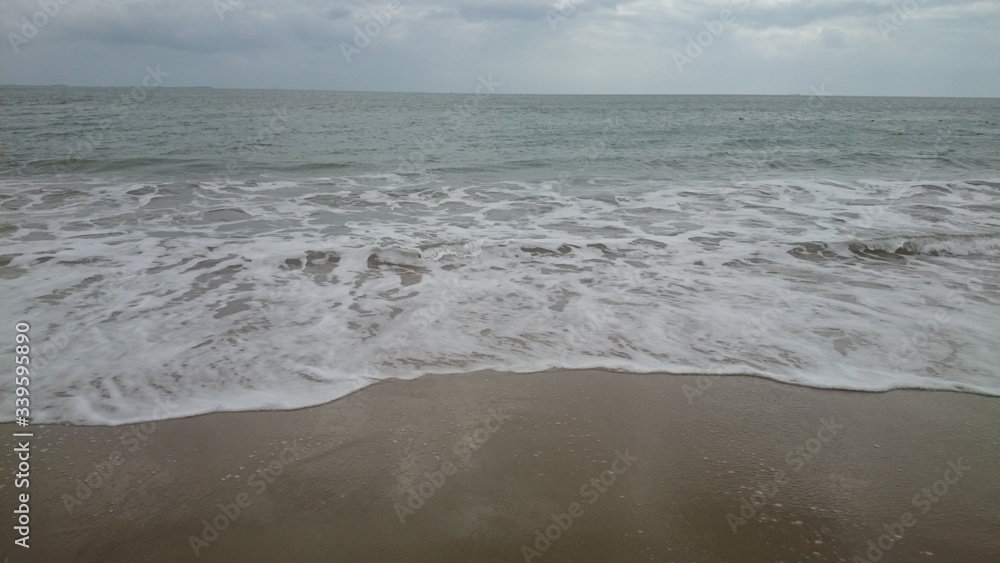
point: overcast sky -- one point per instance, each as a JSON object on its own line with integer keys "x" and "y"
{"x": 849, "y": 47}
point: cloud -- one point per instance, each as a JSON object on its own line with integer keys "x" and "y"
{"x": 613, "y": 46}
{"x": 493, "y": 11}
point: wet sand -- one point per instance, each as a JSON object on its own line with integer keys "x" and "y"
{"x": 560, "y": 466}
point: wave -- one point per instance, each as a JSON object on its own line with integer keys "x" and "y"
{"x": 931, "y": 245}
{"x": 279, "y": 294}
{"x": 59, "y": 166}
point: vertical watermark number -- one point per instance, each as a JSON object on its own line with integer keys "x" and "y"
{"x": 22, "y": 414}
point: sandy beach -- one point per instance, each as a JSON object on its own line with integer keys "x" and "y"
{"x": 558, "y": 466}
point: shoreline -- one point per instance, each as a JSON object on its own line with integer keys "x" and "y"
{"x": 561, "y": 465}
{"x": 693, "y": 391}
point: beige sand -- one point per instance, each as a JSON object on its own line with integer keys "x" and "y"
{"x": 694, "y": 469}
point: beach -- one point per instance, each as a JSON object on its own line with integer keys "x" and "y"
{"x": 580, "y": 465}
{"x": 494, "y": 281}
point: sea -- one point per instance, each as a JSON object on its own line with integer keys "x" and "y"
{"x": 179, "y": 251}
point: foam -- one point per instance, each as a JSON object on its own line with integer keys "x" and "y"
{"x": 277, "y": 295}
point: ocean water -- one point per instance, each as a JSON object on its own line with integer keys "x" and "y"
{"x": 195, "y": 250}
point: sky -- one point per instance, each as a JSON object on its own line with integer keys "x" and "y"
{"x": 847, "y": 47}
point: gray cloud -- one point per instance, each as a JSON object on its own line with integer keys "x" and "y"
{"x": 810, "y": 12}
{"x": 493, "y": 11}
{"x": 572, "y": 46}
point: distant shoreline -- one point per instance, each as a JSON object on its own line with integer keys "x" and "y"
{"x": 504, "y": 94}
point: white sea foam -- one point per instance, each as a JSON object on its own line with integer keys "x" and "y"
{"x": 280, "y": 295}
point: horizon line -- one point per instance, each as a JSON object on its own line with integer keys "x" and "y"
{"x": 497, "y": 93}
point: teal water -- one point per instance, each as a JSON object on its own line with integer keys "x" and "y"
{"x": 239, "y": 249}
{"x": 191, "y": 134}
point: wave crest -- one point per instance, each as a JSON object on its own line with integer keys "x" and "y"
{"x": 931, "y": 245}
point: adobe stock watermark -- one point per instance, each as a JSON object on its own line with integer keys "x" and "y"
{"x": 222, "y": 7}
{"x": 704, "y": 39}
{"x": 561, "y": 11}
{"x": 229, "y": 513}
{"x": 590, "y": 492}
{"x": 47, "y": 10}
{"x": 702, "y": 383}
{"x": 381, "y": 18}
{"x": 922, "y": 500}
{"x": 797, "y": 459}
{"x": 435, "y": 480}
{"x": 819, "y": 94}
{"x": 901, "y": 14}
